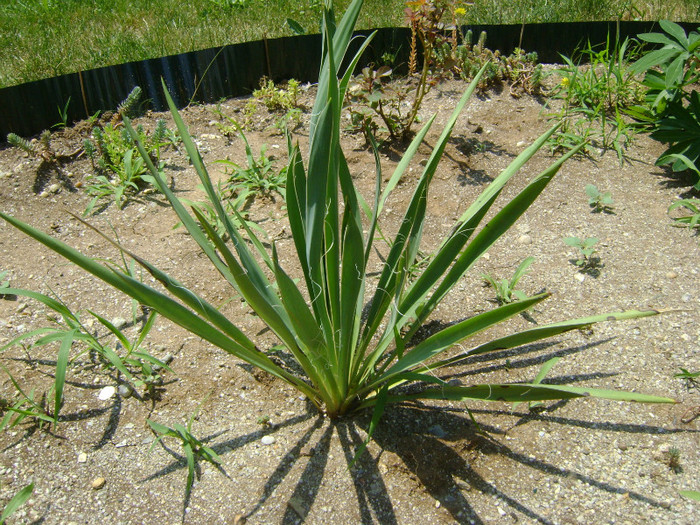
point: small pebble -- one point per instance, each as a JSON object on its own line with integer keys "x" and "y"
{"x": 98, "y": 483}
{"x": 82, "y": 457}
{"x": 671, "y": 275}
{"x": 525, "y": 239}
{"x": 54, "y": 188}
{"x": 107, "y": 393}
{"x": 267, "y": 440}
{"x": 437, "y": 431}
{"x": 119, "y": 322}
{"x": 124, "y": 390}
{"x": 580, "y": 277}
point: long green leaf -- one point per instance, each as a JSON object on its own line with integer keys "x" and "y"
{"x": 519, "y": 392}
{"x": 181, "y": 292}
{"x": 447, "y": 337}
{"x": 257, "y": 276}
{"x": 163, "y": 304}
{"x": 495, "y": 228}
{"x": 16, "y": 502}
{"x": 543, "y": 332}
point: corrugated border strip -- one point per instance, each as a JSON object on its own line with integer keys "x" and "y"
{"x": 235, "y": 70}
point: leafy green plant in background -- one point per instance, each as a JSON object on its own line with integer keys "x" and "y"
{"x": 680, "y": 128}
{"x": 586, "y": 252}
{"x": 121, "y": 172}
{"x": 505, "y": 288}
{"x": 444, "y": 54}
{"x": 278, "y": 99}
{"x": 16, "y": 502}
{"x": 595, "y": 97}
{"x": 520, "y": 69}
{"x": 258, "y": 178}
{"x": 671, "y": 111}
{"x": 598, "y": 200}
{"x": 352, "y": 338}
{"x": 687, "y": 221}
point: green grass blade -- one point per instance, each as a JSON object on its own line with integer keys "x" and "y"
{"x": 690, "y": 494}
{"x": 546, "y": 367}
{"x": 115, "y": 331}
{"x": 54, "y": 335}
{"x": 16, "y": 502}
{"x": 61, "y": 367}
{"x": 379, "y": 406}
{"x": 50, "y": 302}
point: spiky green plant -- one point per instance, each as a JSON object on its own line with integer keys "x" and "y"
{"x": 351, "y": 337}
{"x": 128, "y": 105}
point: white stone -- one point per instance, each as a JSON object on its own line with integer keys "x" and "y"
{"x": 107, "y": 393}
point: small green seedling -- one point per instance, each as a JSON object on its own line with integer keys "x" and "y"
{"x": 16, "y": 502}
{"x": 687, "y": 221}
{"x": 193, "y": 447}
{"x": 505, "y": 289}
{"x": 63, "y": 115}
{"x": 586, "y": 259}
{"x": 599, "y": 201}
{"x": 673, "y": 460}
{"x": 689, "y": 377}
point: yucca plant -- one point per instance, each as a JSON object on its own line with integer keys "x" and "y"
{"x": 352, "y": 337}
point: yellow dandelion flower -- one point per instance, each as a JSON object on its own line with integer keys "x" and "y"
{"x": 460, "y": 11}
{"x": 565, "y": 81}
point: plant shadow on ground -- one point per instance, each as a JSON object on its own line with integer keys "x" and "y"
{"x": 442, "y": 452}
{"x": 678, "y": 179}
{"x": 469, "y": 147}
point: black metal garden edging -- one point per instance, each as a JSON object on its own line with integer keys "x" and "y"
{"x": 235, "y": 70}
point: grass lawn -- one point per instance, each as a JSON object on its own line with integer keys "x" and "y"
{"x": 44, "y": 38}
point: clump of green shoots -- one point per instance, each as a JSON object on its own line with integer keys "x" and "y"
{"x": 505, "y": 288}
{"x": 121, "y": 172}
{"x": 258, "y": 178}
{"x": 40, "y": 149}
